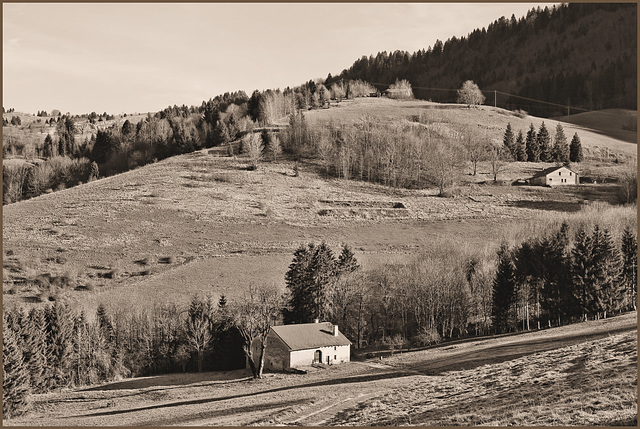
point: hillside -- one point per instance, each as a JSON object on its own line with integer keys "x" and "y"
{"x": 201, "y": 222}
{"x": 616, "y": 123}
{"x": 583, "y": 374}
{"x": 487, "y": 119}
{"x": 577, "y": 54}
{"x": 22, "y": 141}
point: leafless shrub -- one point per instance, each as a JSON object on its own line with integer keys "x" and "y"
{"x": 426, "y": 337}
{"x": 520, "y": 113}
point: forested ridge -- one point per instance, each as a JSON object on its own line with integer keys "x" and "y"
{"x": 581, "y": 55}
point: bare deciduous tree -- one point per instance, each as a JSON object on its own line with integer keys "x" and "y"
{"x": 470, "y": 94}
{"x": 253, "y": 146}
{"x": 275, "y": 147}
{"x": 497, "y": 159}
{"x": 477, "y": 149}
{"x": 197, "y": 327}
{"x": 445, "y": 156}
{"x": 253, "y": 317}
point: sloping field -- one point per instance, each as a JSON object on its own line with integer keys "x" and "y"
{"x": 583, "y": 374}
{"x": 487, "y": 119}
{"x": 620, "y": 124}
{"x": 209, "y": 219}
{"x": 202, "y": 223}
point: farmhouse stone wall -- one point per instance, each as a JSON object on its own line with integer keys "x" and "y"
{"x": 330, "y": 355}
{"x": 276, "y": 356}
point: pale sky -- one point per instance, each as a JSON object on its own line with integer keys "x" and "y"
{"x": 128, "y": 57}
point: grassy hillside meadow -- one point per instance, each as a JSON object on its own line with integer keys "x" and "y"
{"x": 202, "y": 223}
{"x": 617, "y": 123}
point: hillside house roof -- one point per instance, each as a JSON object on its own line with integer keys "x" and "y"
{"x": 310, "y": 336}
{"x": 550, "y": 170}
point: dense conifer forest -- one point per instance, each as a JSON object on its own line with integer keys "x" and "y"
{"x": 580, "y": 55}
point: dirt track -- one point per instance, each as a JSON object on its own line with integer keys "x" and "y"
{"x": 343, "y": 394}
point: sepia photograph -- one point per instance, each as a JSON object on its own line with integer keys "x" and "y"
{"x": 319, "y": 214}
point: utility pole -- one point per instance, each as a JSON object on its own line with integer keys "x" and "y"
{"x": 495, "y": 98}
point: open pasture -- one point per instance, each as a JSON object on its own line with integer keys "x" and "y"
{"x": 202, "y": 223}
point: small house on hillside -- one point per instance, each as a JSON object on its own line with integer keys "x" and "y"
{"x": 294, "y": 346}
{"x": 555, "y": 176}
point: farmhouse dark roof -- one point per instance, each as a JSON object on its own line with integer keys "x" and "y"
{"x": 550, "y": 170}
{"x": 310, "y": 335}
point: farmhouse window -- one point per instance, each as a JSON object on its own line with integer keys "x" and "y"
{"x": 570, "y": 173}
{"x": 559, "y": 173}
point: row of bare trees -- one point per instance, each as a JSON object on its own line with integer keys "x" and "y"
{"x": 416, "y": 303}
{"x": 392, "y": 153}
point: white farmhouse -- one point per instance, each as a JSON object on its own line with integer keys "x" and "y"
{"x": 555, "y": 176}
{"x": 294, "y": 346}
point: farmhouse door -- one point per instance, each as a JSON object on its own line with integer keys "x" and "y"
{"x": 317, "y": 357}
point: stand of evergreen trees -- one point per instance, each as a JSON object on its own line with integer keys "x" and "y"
{"x": 540, "y": 147}
{"x": 558, "y": 279}
{"x": 54, "y": 347}
{"x": 574, "y": 54}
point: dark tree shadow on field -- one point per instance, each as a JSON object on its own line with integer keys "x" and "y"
{"x": 337, "y": 381}
{"x": 176, "y": 421}
{"x": 181, "y": 379}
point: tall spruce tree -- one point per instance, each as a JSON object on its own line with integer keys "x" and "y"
{"x": 323, "y": 269}
{"x": 526, "y": 277}
{"x": 630, "y": 268}
{"x": 521, "y": 149}
{"x": 560, "y": 147}
{"x": 59, "y": 339}
{"x": 347, "y": 262}
{"x": 575, "y": 149}
{"x": 15, "y": 378}
{"x": 312, "y": 269}
{"x": 531, "y": 143}
{"x": 555, "y": 273}
{"x": 104, "y": 323}
{"x": 297, "y": 280}
{"x": 35, "y": 350}
{"x": 509, "y": 141}
{"x": 544, "y": 143}
{"x": 583, "y": 274}
{"x": 607, "y": 262}
{"x": 504, "y": 287}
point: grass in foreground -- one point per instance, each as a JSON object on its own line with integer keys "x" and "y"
{"x": 592, "y": 383}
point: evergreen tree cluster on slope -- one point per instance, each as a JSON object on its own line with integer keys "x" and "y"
{"x": 539, "y": 147}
